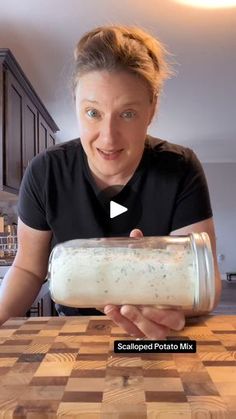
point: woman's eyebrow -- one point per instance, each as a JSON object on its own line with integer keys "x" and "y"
{"x": 137, "y": 102}
{"x": 89, "y": 100}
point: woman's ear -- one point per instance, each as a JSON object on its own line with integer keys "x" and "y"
{"x": 154, "y": 107}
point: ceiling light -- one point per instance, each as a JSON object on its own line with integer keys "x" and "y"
{"x": 209, "y": 4}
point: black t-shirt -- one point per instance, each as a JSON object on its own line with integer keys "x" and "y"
{"x": 58, "y": 193}
{"x": 167, "y": 191}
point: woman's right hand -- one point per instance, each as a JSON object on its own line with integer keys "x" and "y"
{"x": 145, "y": 321}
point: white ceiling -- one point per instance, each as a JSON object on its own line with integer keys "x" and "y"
{"x": 198, "y": 107}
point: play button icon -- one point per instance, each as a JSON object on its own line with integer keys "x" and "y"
{"x": 120, "y": 210}
{"x": 116, "y": 209}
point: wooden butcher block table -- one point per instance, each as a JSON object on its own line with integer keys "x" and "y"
{"x": 65, "y": 367}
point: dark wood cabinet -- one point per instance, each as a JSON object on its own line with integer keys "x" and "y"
{"x": 12, "y": 144}
{"x": 46, "y": 137}
{"x": 30, "y": 132}
{"x": 26, "y": 127}
{"x": 43, "y": 305}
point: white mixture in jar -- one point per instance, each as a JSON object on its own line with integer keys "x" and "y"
{"x": 96, "y": 276}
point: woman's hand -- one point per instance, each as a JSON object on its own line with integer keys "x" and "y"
{"x": 145, "y": 321}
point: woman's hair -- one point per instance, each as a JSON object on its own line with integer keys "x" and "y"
{"x": 122, "y": 48}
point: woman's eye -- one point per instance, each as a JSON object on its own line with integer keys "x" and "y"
{"x": 92, "y": 113}
{"x": 128, "y": 114}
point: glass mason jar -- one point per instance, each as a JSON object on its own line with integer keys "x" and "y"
{"x": 166, "y": 271}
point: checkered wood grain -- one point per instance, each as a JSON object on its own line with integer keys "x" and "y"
{"x": 65, "y": 367}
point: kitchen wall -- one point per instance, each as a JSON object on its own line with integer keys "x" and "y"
{"x": 221, "y": 179}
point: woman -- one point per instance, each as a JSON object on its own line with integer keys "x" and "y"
{"x": 119, "y": 73}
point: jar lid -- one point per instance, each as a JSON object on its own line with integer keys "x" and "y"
{"x": 205, "y": 295}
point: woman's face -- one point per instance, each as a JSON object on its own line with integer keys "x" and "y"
{"x": 113, "y": 111}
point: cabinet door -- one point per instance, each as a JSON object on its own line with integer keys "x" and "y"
{"x": 50, "y": 138}
{"x": 42, "y": 133}
{"x": 45, "y": 135}
{"x": 30, "y": 132}
{"x": 14, "y": 97}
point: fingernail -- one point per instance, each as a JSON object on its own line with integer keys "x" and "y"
{"x": 108, "y": 309}
{"x": 181, "y": 324}
{"x": 136, "y": 233}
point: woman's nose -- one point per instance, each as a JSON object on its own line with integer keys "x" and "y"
{"x": 109, "y": 130}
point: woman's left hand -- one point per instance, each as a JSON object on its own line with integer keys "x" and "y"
{"x": 145, "y": 321}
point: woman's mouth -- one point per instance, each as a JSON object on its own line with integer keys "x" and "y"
{"x": 110, "y": 154}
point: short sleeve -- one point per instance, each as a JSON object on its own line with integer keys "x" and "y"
{"x": 32, "y": 198}
{"x": 193, "y": 201}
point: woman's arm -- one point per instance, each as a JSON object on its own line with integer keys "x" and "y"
{"x": 24, "y": 279}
